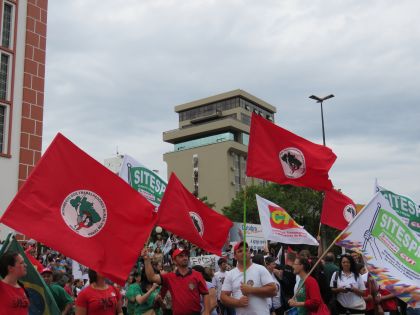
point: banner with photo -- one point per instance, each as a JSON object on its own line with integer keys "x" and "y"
{"x": 390, "y": 245}
{"x": 254, "y": 235}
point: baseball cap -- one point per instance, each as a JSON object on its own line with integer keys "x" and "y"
{"x": 238, "y": 245}
{"x": 46, "y": 270}
{"x": 179, "y": 251}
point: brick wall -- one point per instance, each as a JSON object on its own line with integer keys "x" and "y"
{"x": 33, "y": 87}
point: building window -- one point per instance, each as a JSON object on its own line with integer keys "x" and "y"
{"x": 6, "y": 32}
{"x": 227, "y": 136}
{"x": 3, "y": 128}
{"x": 4, "y": 76}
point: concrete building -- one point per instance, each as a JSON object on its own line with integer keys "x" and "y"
{"x": 211, "y": 144}
{"x": 23, "y": 30}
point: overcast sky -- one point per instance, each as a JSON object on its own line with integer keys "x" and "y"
{"x": 116, "y": 69}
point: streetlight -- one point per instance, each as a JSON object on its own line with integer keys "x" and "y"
{"x": 320, "y": 100}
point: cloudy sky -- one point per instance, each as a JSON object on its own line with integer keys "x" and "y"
{"x": 116, "y": 69}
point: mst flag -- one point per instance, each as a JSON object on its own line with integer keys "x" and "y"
{"x": 278, "y": 226}
{"x": 77, "y": 206}
{"x": 280, "y": 156}
{"x": 337, "y": 209}
{"x": 40, "y": 297}
{"x": 390, "y": 247}
{"x": 183, "y": 214}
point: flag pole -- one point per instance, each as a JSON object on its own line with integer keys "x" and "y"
{"x": 244, "y": 233}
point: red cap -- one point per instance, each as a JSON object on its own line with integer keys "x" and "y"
{"x": 240, "y": 244}
{"x": 179, "y": 251}
{"x": 46, "y": 270}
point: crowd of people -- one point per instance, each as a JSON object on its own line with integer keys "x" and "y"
{"x": 164, "y": 282}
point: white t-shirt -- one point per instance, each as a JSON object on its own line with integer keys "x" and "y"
{"x": 218, "y": 279}
{"x": 276, "y": 300}
{"x": 349, "y": 299}
{"x": 256, "y": 276}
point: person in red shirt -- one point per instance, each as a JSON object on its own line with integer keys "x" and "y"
{"x": 185, "y": 285}
{"x": 13, "y": 297}
{"x": 98, "y": 298}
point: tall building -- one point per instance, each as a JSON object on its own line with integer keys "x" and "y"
{"x": 23, "y": 31}
{"x": 211, "y": 144}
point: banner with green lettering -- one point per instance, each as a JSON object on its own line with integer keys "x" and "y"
{"x": 390, "y": 244}
{"x": 142, "y": 179}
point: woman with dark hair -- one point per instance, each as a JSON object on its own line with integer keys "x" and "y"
{"x": 308, "y": 296}
{"x": 98, "y": 298}
{"x": 13, "y": 296}
{"x": 210, "y": 286}
{"x": 349, "y": 287}
{"x": 142, "y": 295}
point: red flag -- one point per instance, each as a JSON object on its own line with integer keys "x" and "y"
{"x": 183, "y": 214}
{"x": 37, "y": 265}
{"x": 337, "y": 209}
{"x": 75, "y": 205}
{"x": 277, "y": 155}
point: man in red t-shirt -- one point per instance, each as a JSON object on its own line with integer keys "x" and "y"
{"x": 185, "y": 285}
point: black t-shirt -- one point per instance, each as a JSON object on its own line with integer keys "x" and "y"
{"x": 289, "y": 280}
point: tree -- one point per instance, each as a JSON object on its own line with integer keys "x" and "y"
{"x": 303, "y": 204}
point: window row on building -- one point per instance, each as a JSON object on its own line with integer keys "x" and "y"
{"x": 7, "y": 11}
{"x": 220, "y": 106}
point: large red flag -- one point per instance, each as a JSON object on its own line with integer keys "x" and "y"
{"x": 277, "y": 155}
{"x": 183, "y": 214}
{"x": 337, "y": 209}
{"x": 75, "y": 205}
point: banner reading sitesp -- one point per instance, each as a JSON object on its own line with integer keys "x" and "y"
{"x": 142, "y": 179}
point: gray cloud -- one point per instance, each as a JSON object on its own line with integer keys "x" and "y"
{"x": 115, "y": 70}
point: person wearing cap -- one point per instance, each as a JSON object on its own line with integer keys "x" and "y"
{"x": 218, "y": 279}
{"x": 62, "y": 298}
{"x": 185, "y": 285}
{"x": 276, "y": 301}
{"x": 248, "y": 298}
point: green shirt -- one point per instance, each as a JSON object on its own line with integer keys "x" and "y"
{"x": 301, "y": 297}
{"x": 134, "y": 308}
{"x": 329, "y": 269}
{"x": 61, "y": 297}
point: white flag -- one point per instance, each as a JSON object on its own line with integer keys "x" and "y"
{"x": 168, "y": 245}
{"x": 389, "y": 241}
{"x": 278, "y": 225}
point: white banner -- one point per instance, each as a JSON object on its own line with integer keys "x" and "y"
{"x": 254, "y": 235}
{"x": 390, "y": 246}
{"x": 278, "y": 225}
{"x": 142, "y": 179}
{"x": 205, "y": 261}
{"x": 79, "y": 271}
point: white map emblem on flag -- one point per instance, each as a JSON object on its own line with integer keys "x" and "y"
{"x": 293, "y": 162}
{"x": 198, "y": 222}
{"x": 349, "y": 212}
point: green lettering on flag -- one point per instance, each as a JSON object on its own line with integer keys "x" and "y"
{"x": 405, "y": 207}
{"x": 147, "y": 183}
{"x": 40, "y": 297}
{"x": 398, "y": 238}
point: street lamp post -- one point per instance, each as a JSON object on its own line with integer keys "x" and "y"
{"x": 321, "y": 100}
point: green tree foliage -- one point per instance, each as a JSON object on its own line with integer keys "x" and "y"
{"x": 303, "y": 204}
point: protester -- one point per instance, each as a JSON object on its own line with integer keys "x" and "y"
{"x": 218, "y": 279}
{"x": 348, "y": 285}
{"x": 370, "y": 292}
{"x": 250, "y": 297}
{"x": 61, "y": 297}
{"x": 276, "y": 301}
{"x": 185, "y": 285}
{"x": 308, "y": 295}
{"x": 99, "y": 298}
{"x": 288, "y": 278}
{"x": 141, "y": 298}
{"x": 329, "y": 266}
{"x": 14, "y": 299}
{"x": 210, "y": 287}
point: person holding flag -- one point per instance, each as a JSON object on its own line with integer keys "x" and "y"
{"x": 251, "y": 297}
{"x": 13, "y": 296}
{"x": 61, "y": 297}
{"x": 185, "y": 285}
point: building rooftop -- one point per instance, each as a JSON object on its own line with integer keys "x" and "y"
{"x": 223, "y": 96}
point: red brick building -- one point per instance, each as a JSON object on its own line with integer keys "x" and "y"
{"x": 23, "y": 36}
